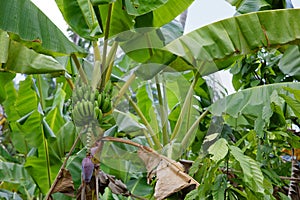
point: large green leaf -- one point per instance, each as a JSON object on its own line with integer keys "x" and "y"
{"x": 216, "y": 46}
{"x": 141, "y": 44}
{"x": 90, "y": 21}
{"x": 5, "y": 77}
{"x": 294, "y": 103}
{"x": 251, "y": 107}
{"x": 19, "y": 58}
{"x": 29, "y": 133}
{"x": 81, "y": 17}
{"x": 14, "y": 173}
{"x": 126, "y": 122}
{"x": 145, "y": 102}
{"x": 140, "y": 187}
{"x": 120, "y": 19}
{"x": 289, "y": 63}
{"x": 246, "y": 6}
{"x": 27, "y": 24}
{"x": 141, "y": 7}
{"x": 125, "y": 15}
{"x": 168, "y": 11}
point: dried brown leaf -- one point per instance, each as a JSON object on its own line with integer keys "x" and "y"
{"x": 169, "y": 173}
{"x": 65, "y": 184}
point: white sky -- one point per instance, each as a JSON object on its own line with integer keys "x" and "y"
{"x": 200, "y": 13}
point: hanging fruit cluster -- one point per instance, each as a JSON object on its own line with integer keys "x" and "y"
{"x": 90, "y": 105}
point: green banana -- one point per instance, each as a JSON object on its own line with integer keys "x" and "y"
{"x": 91, "y": 110}
{"x": 96, "y": 104}
{"x": 99, "y": 100}
{"x": 81, "y": 109}
{"x": 98, "y": 114}
{"x": 106, "y": 105}
{"x": 108, "y": 87}
{"x": 78, "y": 116}
{"x": 103, "y": 95}
{"x": 85, "y": 108}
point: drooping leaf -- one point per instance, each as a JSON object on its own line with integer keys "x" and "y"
{"x": 143, "y": 43}
{"x": 28, "y": 25}
{"x": 81, "y": 17}
{"x": 126, "y": 123}
{"x": 218, "y": 45}
{"x": 290, "y": 60}
{"x": 251, "y": 107}
{"x": 21, "y": 59}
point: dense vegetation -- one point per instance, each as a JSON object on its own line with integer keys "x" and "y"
{"x": 127, "y": 110}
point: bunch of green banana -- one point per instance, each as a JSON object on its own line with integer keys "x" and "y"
{"x": 84, "y": 92}
{"x": 83, "y": 113}
{"x": 102, "y": 102}
{"x": 98, "y": 114}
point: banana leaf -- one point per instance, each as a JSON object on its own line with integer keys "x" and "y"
{"x": 27, "y": 24}
{"x": 218, "y": 45}
{"x": 91, "y": 17}
{"x": 17, "y": 58}
{"x": 252, "y": 107}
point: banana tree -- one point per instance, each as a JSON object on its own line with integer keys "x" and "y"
{"x": 146, "y": 107}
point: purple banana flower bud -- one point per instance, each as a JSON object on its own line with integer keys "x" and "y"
{"x": 87, "y": 169}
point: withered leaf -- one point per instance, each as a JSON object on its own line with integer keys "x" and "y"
{"x": 65, "y": 184}
{"x": 170, "y": 174}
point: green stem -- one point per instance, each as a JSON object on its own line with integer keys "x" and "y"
{"x": 106, "y": 34}
{"x": 145, "y": 122}
{"x": 162, "y": 112}
{"x": 79, "y": 68}
{"x": 148, "y": 139}
{"x": 39, "y": 86}
{"x": 124, "y": 89}
{"x": 184, "y": 107}
{"x": 187, "y": 136}
{"x": 70, "y": 82}
{"x": 47, "y": 160}
{"x": 97, "y": 66}
{"x": 110, "y": 61}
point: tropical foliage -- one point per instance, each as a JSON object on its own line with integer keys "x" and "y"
{"x": 127, "y": 110}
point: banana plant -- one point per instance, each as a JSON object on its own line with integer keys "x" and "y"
{"x": 152, "y": 94}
